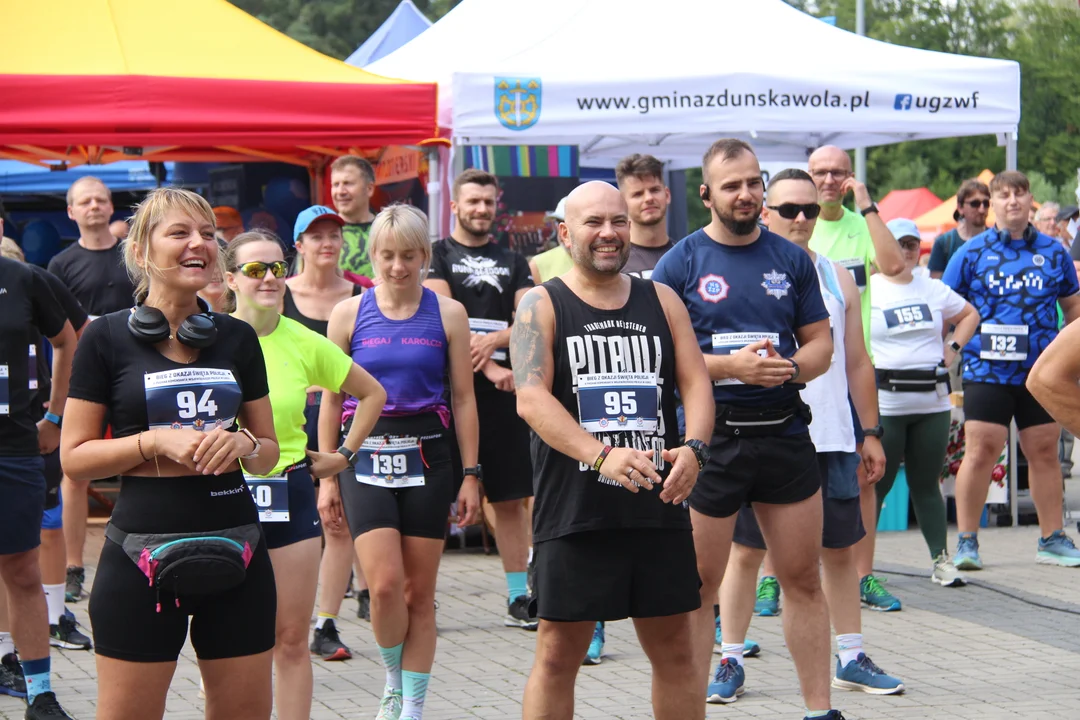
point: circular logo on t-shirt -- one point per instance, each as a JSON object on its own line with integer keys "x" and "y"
{"x": 1038, "y": 260}
{"x": 712, "y": 288}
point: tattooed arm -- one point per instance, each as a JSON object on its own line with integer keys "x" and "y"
{"x": 534, "y": 367}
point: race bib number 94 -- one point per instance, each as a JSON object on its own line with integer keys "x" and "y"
{"x": 617, "y": 402}
{"x": 1003, "y": 342}
{"x": 191, "y": 398}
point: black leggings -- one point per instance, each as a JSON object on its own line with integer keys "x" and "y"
{"x": 127, "y": 626}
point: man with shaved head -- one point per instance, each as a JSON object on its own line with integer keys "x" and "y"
{"x": 597, "y": 357}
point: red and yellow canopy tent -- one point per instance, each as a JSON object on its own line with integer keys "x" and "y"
{"x": 96, "y": 81}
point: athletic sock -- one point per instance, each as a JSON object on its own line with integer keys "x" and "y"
{"x": 715, "y": 611}
{"x": 37, "y": 678}
{"x": 848, "y": 647}
{"x": 517, "y": 584}
{"x": 817, "y": 713}
{"x": 734, "y": 651}
{"x": 7, "y": 645}
{"x": 321, "y": 620}
{"x": 54, "y": 599}
{"x": 414, "y": 691}
{"x": 391, "y": 659}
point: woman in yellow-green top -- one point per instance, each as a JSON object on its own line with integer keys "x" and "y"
{"x": 296, "y": 359}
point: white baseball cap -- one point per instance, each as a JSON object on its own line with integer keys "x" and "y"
{"x": 559, "y": 213}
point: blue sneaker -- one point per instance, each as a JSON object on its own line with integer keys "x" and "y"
{"x": 750, "y": 648}
{"x": 862, "y": 674}
{"x": 873, "y": 595}
{"x": 833, "y": 715}
{"x": 1058, "y": 549}
{"x": 967, "y": 552}
{"x": 727, "y": 683}
{"x": 596, "y": 647}
{"x": 768, "y": 597}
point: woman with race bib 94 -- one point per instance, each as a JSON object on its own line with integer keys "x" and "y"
{"x": 401, "y": 485}
{"x": 175, "y": 380}
{"x": 296, "y": 359}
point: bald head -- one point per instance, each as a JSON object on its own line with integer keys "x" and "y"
{"x": 830, "y": 167}
{"x": 597, "y": 228}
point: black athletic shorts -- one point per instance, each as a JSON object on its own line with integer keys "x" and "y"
{"x": 54, "y": 474}
{"x": 414, "y": 511}
{"x": 616, "y": 574}
{"x": 842, "y": 526}
{"x": 779, "y": 470}
{"x": 127, "y": 624}
{"x": 505, "y": 455}
{"x": 999, "y": 404}
{"x": 303, "y": 521}
{"x": 22, "y": 503}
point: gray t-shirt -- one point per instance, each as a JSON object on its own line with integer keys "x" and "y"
{"x": 643, "y": 259}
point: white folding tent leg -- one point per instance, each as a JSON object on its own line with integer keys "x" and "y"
{"x": 434, "y": 190}
{"x": 1014, "y": 482}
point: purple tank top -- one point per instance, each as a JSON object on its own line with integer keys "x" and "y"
{"x": 408, "y": 357}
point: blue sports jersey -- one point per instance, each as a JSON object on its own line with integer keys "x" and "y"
{"x": 1014, "y": 285}
{"x": 737, "y": 295}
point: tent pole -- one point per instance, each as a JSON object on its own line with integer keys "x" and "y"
{"x": 1010, "y": 151}
{"x": 860, "y": 29}
{"x": 434, "y": 189}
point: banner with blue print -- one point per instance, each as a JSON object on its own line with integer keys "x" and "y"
{"x": 192, "y": 398}
{"x": 618, "y": 402}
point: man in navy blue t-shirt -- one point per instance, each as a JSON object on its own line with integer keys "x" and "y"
{"x": 756, "y": 307}
{"x": 1015, "y": 277}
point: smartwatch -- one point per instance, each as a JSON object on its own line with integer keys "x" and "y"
{"x": 55, "y": 419}
{"x": 875, "y": 432}
{"x": 872, "y": 209}
{"x": 258, "y": 445}
{"x": 955, "y": 346}
{"x": 349, "y": 455}
{"x": 477, "y": 472}
{"x": 795, "y": 377}
{"x": 701, "y": 452}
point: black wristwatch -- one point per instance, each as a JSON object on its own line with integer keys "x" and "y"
{"x": 477, "y": 471}
{"x": 871, "y": 209}
{"x": 875, "y": 432}
{"x": 701, "y": 452}
{"x": 955, "y": 346}
{"x": 349, "y": 455}
{"x": 795, "y": 377}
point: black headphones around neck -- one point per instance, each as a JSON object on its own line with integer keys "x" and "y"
{"x": 149, "y": 325}
{"x": 1030, "y": 234}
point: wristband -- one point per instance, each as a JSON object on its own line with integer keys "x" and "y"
{"x": 54, "y": 418}
{"x": 601, "y": 458}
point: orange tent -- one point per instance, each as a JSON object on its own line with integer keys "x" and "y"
{"x": 940, "y": 219}
{"x": 95, "y": 81}
{"x": 907, "y": 203}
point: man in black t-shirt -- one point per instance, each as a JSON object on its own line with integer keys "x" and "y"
{"x": 28, "y": 307}
{"x": 641, "y": 182}
{"x": 490, "y": 281}
{"x": 597, "y": 359}
{"x": 972, "y": 207}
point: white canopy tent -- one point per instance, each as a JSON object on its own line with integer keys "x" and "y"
{"x": 615, "y": 77}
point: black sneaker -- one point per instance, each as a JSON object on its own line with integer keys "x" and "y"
{"x": 326, "y": 644}
{"x": 363, "y": 604}
{"x": 66, "y": 635}
{"x": 73, "y": 587}
{"x": 45, "y": 707}
{"x": 12, "y": 681}
{"x": 517, "y": 614}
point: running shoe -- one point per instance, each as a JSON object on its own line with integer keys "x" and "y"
{"x": 1058, "y": 549}
{"x": 363, "y": 604}
{"x": 727, "y": 683}
{"x": 750, "y": 648}
{"x": 45, "y": 707}
{"x": 73, "y": 586}
{"x": 12, "y": 681}
{"x": 390, "y": 707}
{"x": 596, "y": 647}
{"x": 967, "y": 552}
{"x": 945, "y": 573}
{"x": 326, "y": 643}
{"x": 768, "y": 597}
{"x": 66, "y": 635}
{"x": 873, "y": 594}
{"x": 833, "y": 715}
{"x": 518, "y": 615}
{"x": 862, "y": 674}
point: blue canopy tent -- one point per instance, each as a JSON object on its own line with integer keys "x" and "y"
{"x": 405, "y": 23}
{"x": 19, "y": 178}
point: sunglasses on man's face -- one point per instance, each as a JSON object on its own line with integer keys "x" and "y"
{"x": 256, "y": 270}
{"x": 790, "y": 211}
{"x": 976, "y": 204}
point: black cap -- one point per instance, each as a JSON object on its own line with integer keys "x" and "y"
{"x": 1067, "y": 213}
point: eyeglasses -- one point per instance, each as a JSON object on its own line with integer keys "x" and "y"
{"x": 976, "y": 204}
{"x": 838, "y": 174}
{"x": 256, "y": 270}
{"x": 910, "y": 244}
{"x": 790, "y": 211}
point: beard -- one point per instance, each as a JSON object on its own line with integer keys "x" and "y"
{"x": 737, "y": 227}
{"x": 584, "y": 256}
{"x": 474, "y": 227}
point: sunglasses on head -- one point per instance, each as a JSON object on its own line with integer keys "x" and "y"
{"x": 256, "y": 270}
{"x": 790, "y": 211}
{"x": 976, "y": 204}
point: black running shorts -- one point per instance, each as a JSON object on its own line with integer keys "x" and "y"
{"x": 999, "y": 404}
{"x": 505, "y": 454}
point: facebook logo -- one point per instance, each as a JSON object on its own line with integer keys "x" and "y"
{"x": 903, "y": 102}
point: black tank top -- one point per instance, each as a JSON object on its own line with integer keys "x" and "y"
{"x": 293, "y": 313}
{"x": 607, "y": 363}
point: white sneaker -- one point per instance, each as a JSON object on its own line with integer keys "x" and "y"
{"x": 945, "y": 573}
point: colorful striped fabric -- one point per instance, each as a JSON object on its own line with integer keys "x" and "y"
{"x": 524, "y": 160}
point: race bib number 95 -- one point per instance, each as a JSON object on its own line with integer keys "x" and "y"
{"x": 191, "y": 398}
{"x": 614, "y": 402}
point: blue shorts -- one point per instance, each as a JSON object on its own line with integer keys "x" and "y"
{"x": 303, "y": 515}
{"x": 22, "y": 502}
{"x": 53, "y": 518}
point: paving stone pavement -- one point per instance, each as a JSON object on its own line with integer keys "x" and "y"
{"x": 981, "y": 652}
